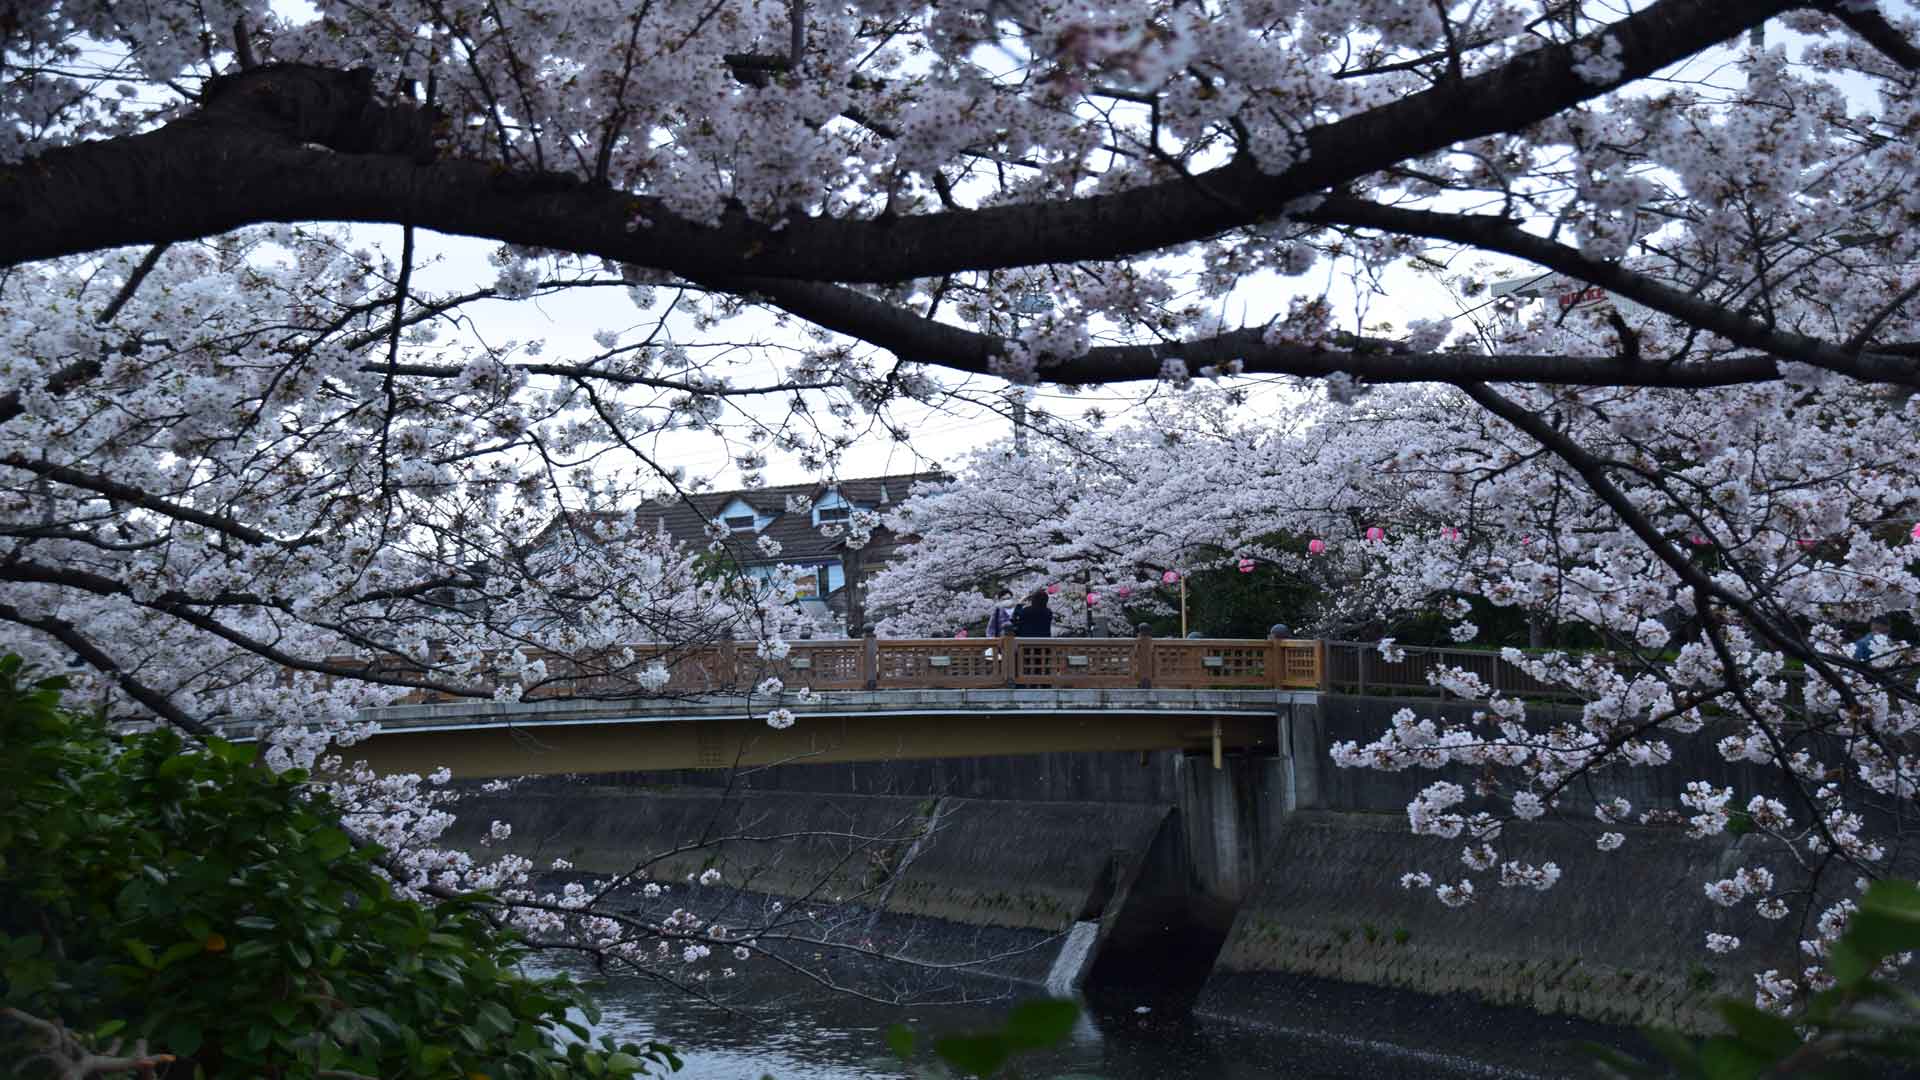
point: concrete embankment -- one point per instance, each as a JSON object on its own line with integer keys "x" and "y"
{"x": 932, "y": 869}
{"x": 1282, "y": 864}
{"x": 1618, "y": 940}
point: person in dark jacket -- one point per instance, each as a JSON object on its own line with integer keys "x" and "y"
{"x": 1875, "y": 642}
{"x": 1033, "y": 618}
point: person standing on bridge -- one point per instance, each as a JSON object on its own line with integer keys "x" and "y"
{"x": 1033, "y": 618}
{"x": 1002, "y": 618}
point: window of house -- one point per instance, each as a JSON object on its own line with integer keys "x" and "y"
{"x": 834, "y": 514}
{"x": 740, "y": 522}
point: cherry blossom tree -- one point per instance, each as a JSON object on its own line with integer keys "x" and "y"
{"x": 1723, "y": 547}
{"x": 1189, "y": 486}
{"x": 241, "y": 444}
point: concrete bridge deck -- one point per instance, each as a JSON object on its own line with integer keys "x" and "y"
{"x": 488, "y": 739}
{"x": 878, "y": 700}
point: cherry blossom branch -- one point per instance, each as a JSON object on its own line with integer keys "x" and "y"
{"x": 241, "y": 160}
{"x": 1875, "y": 30}
{"x": 70, "y": 636}
{"x": 146, "y": 500}
{"x": 140, "y": 272}
{"x": 1594, "y": 472}
{"x": 914, "y": 338}
{"x": 1508, "y": 237}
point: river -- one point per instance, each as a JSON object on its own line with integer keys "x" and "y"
{"x": 788, "y": 1028}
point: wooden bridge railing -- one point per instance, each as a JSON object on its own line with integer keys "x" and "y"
{"x": 948, "y": 663}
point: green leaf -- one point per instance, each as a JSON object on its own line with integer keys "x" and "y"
{"x": 1762, "y": 1031}
{"x": 177, "y": 952}
{"x": 1847, "y": 964}
{"x": 981, "y": 1055}
{"x": 1037, "y": 1025}
{"x": 1892, "y": 894}
{"x": 142, "y": 954}
{"x": 182, "y": 1038}
{"x": 257, "y": 1038}
{"x": 232, "y": 753}
{"x": 1675, "y": 1047}
{"x": 900, "y": 1040}
{"x": 1727, "y": 1059}
{"x": 496, "y": 1016}
{"x": 254, "y": 922}
{"x": 1880, "y": 931}
{"x": 329, "y": 844}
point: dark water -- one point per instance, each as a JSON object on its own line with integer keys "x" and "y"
{"x": 788, "y": 1028}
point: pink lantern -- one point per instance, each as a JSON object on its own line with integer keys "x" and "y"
{"x": 1916, "y": 531}
{"x": 1450, "y": 533}
{"x": 1246, "y": 566}
{"x": 1525, "y": 540}
{"x": 1169, "y": 577}
{"x": 1375, "y": 532}
{"x": 961, "y": 634}
{"x": 1315, "y": 547}
{"x": 1093, "y": 598}
{"x": 1698, "y": 540}
{"x": 1124, "y": 592}
{"x": 1809, "y": 542}
{"x": 1053, "y": 589}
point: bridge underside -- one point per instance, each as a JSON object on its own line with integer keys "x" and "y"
{"x": 549, "y": 746}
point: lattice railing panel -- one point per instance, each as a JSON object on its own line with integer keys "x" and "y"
{"x": 940, "y": 663}
{"x": 699, "y": 671}
{"x": 829, "y": 666}
{"x": 1300, "y": 664}
{"x": 1204, "y": 664}
{"x": 1075, "y": 662}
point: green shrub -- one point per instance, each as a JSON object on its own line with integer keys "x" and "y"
{"x": 189, "y": 898}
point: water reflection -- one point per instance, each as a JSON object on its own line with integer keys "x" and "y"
{"x": 790, "y": 1029}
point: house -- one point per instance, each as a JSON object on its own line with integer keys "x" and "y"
{"x": 817, "y": 527}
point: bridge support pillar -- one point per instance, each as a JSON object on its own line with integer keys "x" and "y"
{"x": 1303, "y": 755}
{"x": 1231, "y": 806}
{"x": 1226, "y": 816}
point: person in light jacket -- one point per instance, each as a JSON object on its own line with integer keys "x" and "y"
{"x": 1002, "y": 618}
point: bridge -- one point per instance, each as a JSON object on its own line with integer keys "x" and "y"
{"x": 868, "y": 700}
{"x": 883, "y": 700}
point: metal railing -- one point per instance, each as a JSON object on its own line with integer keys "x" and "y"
{"x": 1357, "y": 667}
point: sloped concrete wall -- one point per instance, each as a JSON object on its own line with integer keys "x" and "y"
{"x": 1618, "y": 940}
{"x": 1025, "y": 865}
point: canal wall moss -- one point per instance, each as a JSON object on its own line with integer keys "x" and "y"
{"x": 1618, "y": 940}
